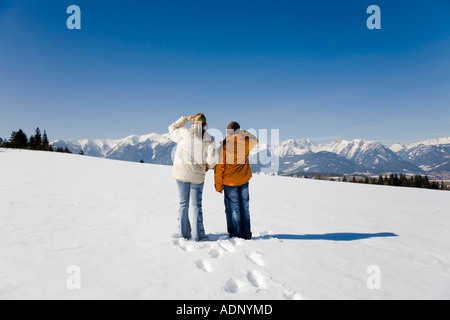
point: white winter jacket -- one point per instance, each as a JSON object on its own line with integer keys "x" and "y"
{"x": 195, "y": 155}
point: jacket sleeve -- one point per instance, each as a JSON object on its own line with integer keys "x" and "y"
{"x": 212, "y": 155}
{"x": 252, "y": 142}
{"x": 174, "y": 128}
{"x": 220, "y": 168}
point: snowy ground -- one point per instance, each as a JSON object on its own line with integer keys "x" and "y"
{"x": 116, "y": 222}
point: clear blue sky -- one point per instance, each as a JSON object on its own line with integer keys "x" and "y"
{"x": 309, "y": 68}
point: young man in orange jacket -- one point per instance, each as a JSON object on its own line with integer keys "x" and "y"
{"x": 232, "y": 176}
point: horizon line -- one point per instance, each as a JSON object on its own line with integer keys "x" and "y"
{"x": 326, "y": 140}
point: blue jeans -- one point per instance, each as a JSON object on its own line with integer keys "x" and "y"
{"x": 237, "y": 208}
{"x": 190, "y": 192}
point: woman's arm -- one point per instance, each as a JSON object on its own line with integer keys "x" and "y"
{"x": 174, "y": 128}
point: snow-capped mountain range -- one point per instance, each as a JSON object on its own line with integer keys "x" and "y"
{"x": 432, "y": 156}
{"x": 152, "y": 148}
{"x": 296, "y": 157}
{"x": 344, "y": 157}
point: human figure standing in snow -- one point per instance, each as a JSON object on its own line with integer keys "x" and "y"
{"x": 232, "y": 176}
{"x": 196, "y": 153}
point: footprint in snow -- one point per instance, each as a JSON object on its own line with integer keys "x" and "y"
{"x": 289, "y": 294}
{"x": 232, "y": 286}
{"x": 189, "y": 245}
{"x": 227, "y": 246}
{"x": 204, "y": 265}
{"x": 257, "y": 279}
{"x": 237, "y": 241}
{"x": 215, "y": 252}
{"x": 183, "y": 244}
{"x": 257, "y": 258}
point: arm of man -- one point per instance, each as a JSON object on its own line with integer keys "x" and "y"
{"x": 220, "y": 169}
{"x": 253, "y": 141}
{"x": 250, "y": 142}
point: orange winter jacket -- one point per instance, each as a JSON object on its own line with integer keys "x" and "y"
{"x": 234, "y": 168}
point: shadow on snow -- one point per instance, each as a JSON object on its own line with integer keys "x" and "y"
{"x": 340, "y": 236}
{"x": 343, "y": 236}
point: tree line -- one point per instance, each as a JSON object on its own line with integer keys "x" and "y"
{"x": 416, "y": 181}
{"x": 38, "y": 141}
{"x": 395, "y": 180}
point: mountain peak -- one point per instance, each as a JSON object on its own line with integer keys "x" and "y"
{"x": 431, "y": 142}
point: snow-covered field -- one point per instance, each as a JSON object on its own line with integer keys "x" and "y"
{"x": 115, "y": 222}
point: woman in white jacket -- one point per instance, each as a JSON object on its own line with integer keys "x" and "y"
{"x": 196, "y": 154}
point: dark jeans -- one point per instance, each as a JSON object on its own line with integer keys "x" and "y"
{"x": 237, "y": 200}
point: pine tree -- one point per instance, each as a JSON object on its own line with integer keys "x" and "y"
{"x": 32, "y": 143}
{"x": 417, "y": 181}
{"x": 434, "y": 185}
{"x": 404, "y": 181}
{"x": 397, "y": 182}
{"x": 380, "y": 179}
{"x": 426, "y": 183}
{"x": 142, "y": 161}
{"x": 19, "y": 140}
{"x": 344, "y": 179}
{"x": 45, "y": 142}
{"x": 391, "y": 179}
{"x": 38, "y": 138}
{"x": 81, "y": 152}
